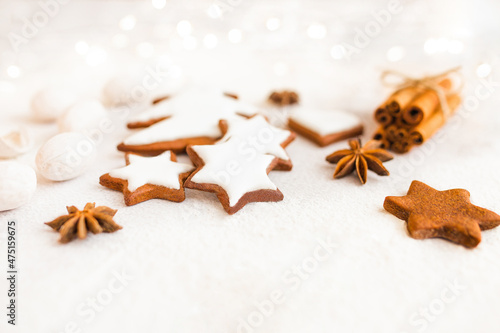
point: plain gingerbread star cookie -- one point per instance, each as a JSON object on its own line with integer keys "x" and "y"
{"x": 145, "y": 178}
{"x": 446, "y": 214}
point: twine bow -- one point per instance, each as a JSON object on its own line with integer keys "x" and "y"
{"x": 427, "y": 82}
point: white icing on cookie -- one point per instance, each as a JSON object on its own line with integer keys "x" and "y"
{"x": 231, "y": 167}
{"x": 195, "y": 113}
{"x": 325, "y": 122}
{"x": 238, "y": 162}
{"x": 159, "y": 170}
{"x": 257, "y": 134}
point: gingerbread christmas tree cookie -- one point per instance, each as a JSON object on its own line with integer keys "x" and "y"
{"x": 189, "y": 118}
{"x": 445, "y": 214}
{"x": 145, "y": 178}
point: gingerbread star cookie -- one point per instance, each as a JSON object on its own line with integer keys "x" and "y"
{"x": 236, "y": 167}
{"x": 325, "y": 126}
{"x": 257, "y": 134}
{"x": 445, "y": 214}
{"x": 145, "y": 178}
{"x": 189, "y": 118}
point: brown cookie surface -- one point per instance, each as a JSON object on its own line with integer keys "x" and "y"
{"x": 430, "y": 213}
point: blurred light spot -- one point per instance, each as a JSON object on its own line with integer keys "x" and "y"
{"x": 273, "y": 24}
{"x": 442, "y": 44}
{"x": 280, "y": 69}
{"x": 316, "y": 31}
{"x": 234, "y": 35}
{"x": 436, "y": 45}
{"x": 483, "y": 70}
{"x": 120, "y": 41}
{"x": 145, "y": 50}
{"x": 210, "y": 41}
{"x": 159, "y": 4}
{"x": 430, "y": 46}
{"x": 96, "y": 56}
{"x": 455, "y": 47}
{"x": 337, "y": 51}
{"x": 189, "y": 43}
{"x": 13, "y": 71}
{"x": 395, "y": 53}
{"x": 184, "y": 28}
{"x": 81, "y": 47}
{"x": 128, "y": 22}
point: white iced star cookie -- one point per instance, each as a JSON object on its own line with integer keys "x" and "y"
{"x": 257, "y": 136}
{"x": 236, "y": 167}
{"x": 325, "y": 126}
{"x": 146, "y": 178}
{"x": 189, "y": 118}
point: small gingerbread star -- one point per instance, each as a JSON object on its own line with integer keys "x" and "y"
{"x": 446, "y": 214}
{"x": 145, "y": 178}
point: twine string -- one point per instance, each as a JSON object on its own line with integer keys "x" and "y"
{"x": 427, "y": 82}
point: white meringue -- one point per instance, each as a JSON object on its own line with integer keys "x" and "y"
{"x": 65, "y": 156}
{"x": 15, "y": 142}
{"x": 82, "y": 116}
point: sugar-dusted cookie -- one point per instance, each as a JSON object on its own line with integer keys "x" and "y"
{"x": 145, "y": 178}
{"x": 236, "y": 167}
{"x": 189, "y": 118}
{"x": 325, "y": 127}
{"x": 447, "y": 214}
{"x": 258, "y": 135}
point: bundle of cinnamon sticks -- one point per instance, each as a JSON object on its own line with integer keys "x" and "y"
{"x": 411, "y": 115}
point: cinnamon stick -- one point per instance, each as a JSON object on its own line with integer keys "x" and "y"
{"x": 400, "y": 100}
{"x": 401, "y": 147}
{"x": 426, "y": 129}
{"x": 390, "y": 132}
{"x": 383, "y": 117}
{"x": 424, "y": 105}
{"x": 402, "y": 134}
{"x": 380, "y": 135}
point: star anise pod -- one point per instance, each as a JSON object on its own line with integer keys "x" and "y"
{"x": 78, "y": 222}
{"x": 285, "y": 97}
{"x": 360, "y": 158}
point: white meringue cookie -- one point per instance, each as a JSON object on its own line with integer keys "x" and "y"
{"x": 65, "y": 156}
{"x": 15, "y": 142}
{"x": 82, "y": 116}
